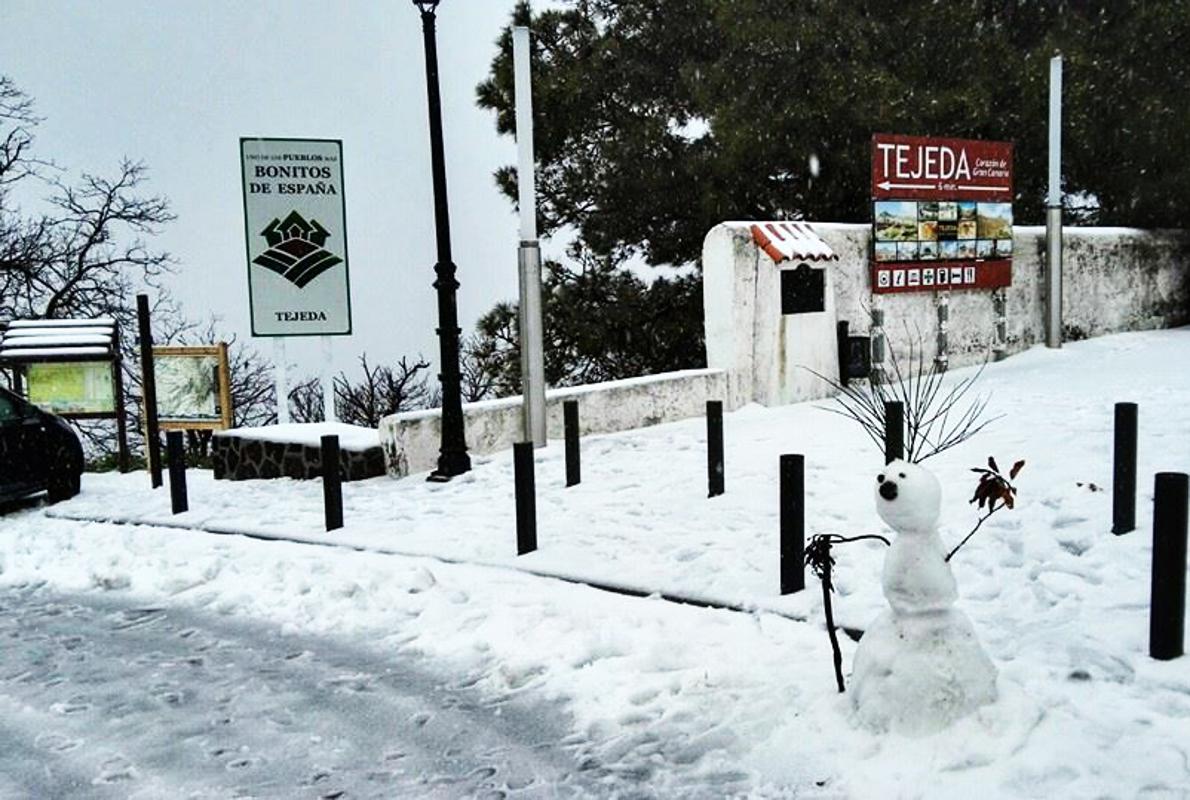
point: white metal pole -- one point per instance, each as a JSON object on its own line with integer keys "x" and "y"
{"x": 529, "y": 255}
{"x": 526, "y": 174}
{"x": 279, "y": 373}
{"x": 1053, "y": 212}
{"x": 1054, "y": 197}
{"x": 326, "y": 377}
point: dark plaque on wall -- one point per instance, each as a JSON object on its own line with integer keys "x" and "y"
{"x": 803, "y": 290}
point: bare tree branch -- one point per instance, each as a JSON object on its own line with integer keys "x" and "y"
{"x": 382, "y": 391}
{"x": 935, "y": 421}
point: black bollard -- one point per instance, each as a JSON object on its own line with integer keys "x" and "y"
{"x": 570, "y": 423}
{"x": 332, "y": 483}
{"x": 1123, "y": 487}
{"x": 714, "y": 448}
{"x": 842, "y": 337}
{"x": 526, "y": 498}
{"x": 177, "y": 471}
{"x": 894, "y": 431}
{"x": 793, "y": 523}
{"x": 1167, "y": 613}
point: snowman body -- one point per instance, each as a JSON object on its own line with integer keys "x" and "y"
{"x": 919, "y": 666}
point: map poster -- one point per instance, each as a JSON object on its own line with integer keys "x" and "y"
{"x": 193, "y": 387}
{"x": 72, "y": 388}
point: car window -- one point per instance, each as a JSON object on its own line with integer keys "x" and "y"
{"x": 9, "y": 409}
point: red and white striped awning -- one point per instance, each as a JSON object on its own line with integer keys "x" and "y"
{"x": 791, "y": 241}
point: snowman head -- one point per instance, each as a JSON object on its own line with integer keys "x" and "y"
{"x": 908, "y": 497}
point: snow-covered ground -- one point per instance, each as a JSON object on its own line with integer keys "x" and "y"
{"x": 675, "y": 701}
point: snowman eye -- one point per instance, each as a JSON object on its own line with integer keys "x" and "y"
{"x": 902, "y": 474}
{"x": 880, "y": 479}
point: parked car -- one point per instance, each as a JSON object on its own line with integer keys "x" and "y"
{"x": 38, "y": 452}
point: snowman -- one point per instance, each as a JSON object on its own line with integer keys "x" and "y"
{"x": 919, "y": 666}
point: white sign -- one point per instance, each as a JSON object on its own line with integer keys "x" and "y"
{"x": 296, "y": 226}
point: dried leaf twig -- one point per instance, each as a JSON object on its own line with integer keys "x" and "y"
{"x": 993, "y": 491}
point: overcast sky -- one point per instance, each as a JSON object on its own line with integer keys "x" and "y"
{"x": 176, "y": 84}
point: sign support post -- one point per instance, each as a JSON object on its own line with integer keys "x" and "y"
{"x": 1053, "y": 213}
{"x": 529, "y": 255}
{"x": 327, "y": 379}
{"x": 123, "y": 457}
{"x": 148, "y": 379}
{"x": 279, "y": 376}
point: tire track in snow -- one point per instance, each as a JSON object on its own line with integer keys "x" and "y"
{"x": 100, "y": 698}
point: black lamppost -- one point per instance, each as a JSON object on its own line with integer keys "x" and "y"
{"x": 452, "y": 457}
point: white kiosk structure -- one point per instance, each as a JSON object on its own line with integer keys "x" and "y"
{"x": 769, "y": 305}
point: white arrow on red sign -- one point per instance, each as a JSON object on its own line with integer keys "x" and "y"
{"x": 886, "y": 185}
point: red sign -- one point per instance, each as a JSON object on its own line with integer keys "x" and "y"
{"x": 922, "y": 168}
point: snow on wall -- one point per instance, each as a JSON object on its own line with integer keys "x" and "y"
{"x": 1115, "y": 280}
{"x": 411, "y": 440}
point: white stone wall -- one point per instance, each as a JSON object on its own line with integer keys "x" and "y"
{"x": 411, "y": 440}
{"x": 1115, "y": 279}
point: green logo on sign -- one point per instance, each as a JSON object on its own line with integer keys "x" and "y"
{"x": 296, "y": 250}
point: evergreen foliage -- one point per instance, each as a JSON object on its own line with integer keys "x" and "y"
{"x": 656, "y": 121}
{"x": 601, "y": 323}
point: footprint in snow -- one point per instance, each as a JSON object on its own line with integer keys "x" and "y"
{"x": 116, "y": 769}
{"x": 282, "y": 719}
{"x": 57, "y": 742}
{"x": 1075, "y": 548}
{"x": 75, "y": 705}
{"x": 136, "y": 618}
{"x": 71, "y": 642}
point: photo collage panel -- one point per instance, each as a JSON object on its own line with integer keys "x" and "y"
{"x": 959, "y": 230}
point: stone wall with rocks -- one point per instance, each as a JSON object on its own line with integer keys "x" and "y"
{"x": 236, "y": 458}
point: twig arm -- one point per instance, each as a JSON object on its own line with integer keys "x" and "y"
{"x": 830, "y": 629}
{"x": 972, "y": 533}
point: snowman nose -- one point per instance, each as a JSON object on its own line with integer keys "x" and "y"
{"x": 888, "y": 490}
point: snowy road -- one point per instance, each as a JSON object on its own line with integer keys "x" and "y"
{"x": 99, "y": 698}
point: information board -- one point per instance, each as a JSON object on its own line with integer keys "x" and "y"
{"x": 72, "y": 388}
{"x": 295, "y": 222}
{"x": 941, "y": 214}
{"x": 193, "y": 387}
